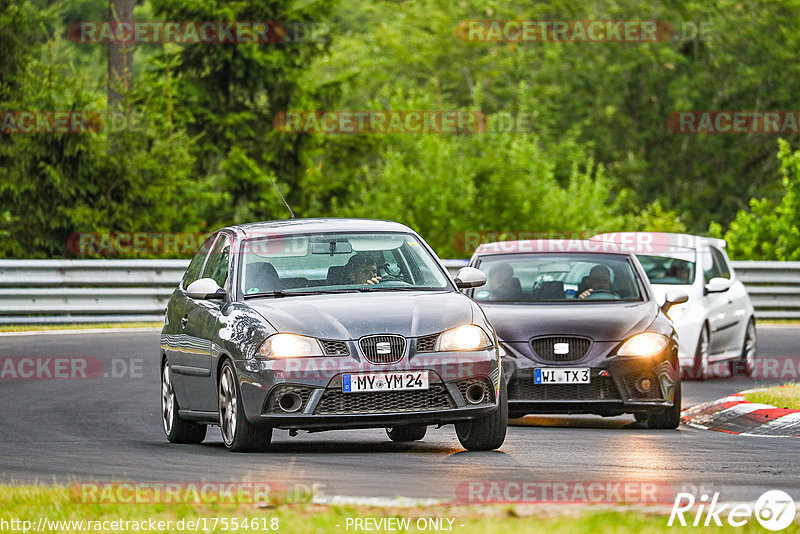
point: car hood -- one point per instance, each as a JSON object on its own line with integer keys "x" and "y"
{"x": 354, "y": 315}
{"x": 601, "y": 322}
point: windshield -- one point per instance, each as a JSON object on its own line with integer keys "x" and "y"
{"x": 558, "y": 278}
{"x": 338, "y": 262}
{"x": 675, "y": 269}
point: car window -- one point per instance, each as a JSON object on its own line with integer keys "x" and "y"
{"x": 334, "y": 261}
{"x": 557, "y": 278}
{"x": 710, "y": 266}
{"x": 196, "y": 265}
{"x": 669, "y": 270}
{"x": 217, "y": 265}
{"x": 721, "y": 268}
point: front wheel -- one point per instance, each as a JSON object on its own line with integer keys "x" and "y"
{"x": 406, "y": 432}
{"x": 238, "y": 433}
{"x": 700, "y": 369}
{"x": 177, "y": 430}
{"x": 670, "y": 418}
{"x": 745, "y": 365}
{"x": 489, "y": 432}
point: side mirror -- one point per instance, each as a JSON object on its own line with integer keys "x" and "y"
{"x": 205, "y": 288}
{"x": 674, "y": 296}
{"x": 468, "y": 277}
{"x": 717, "y": 285}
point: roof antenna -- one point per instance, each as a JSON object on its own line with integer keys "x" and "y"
{"x": 284, "y": 200}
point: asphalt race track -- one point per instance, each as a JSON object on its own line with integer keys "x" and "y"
{"x": 65, "y": 430}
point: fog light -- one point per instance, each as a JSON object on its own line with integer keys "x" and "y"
{"x": 644, "y": 384}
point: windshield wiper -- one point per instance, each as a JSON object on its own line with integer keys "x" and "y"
{"x": 278, "y": 293}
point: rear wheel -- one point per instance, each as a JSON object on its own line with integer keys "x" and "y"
{"x": 669, "y": 418}
{"x": 238, "y": 433}
{"x": 488, "y": 432}
{"x": 406, "y": 432}
{"x": 177, "y": 430}
{"x": 700, "y": 369}
{"x": 745, "y": 365}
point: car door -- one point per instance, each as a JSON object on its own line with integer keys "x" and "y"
{"x": 738, "y": 302}
{"x": 721, "y": 317}
{"x": 201, "y": 317}
{"x": 178, "y": 344}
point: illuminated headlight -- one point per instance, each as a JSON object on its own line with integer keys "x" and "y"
{"x": 290, "y": 346}
{"x": 465, "y": 337}
{"x": 646, "y": 344}
{"x": 676, "y": 312}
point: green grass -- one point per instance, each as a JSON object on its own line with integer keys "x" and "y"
{"x": 37, "y": 327}
{"x": 29, "y": 503}
{"x": 786, "y": 396}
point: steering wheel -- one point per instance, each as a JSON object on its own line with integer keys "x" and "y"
{"x": 603, "y": 293}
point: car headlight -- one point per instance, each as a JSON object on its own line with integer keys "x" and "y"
{"x": 646, "y": 344}
{"x": 465, "y": 337}
{"x": 290, "y": 346}
{"x": 676, "y": 312}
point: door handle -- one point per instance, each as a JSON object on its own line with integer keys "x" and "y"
{"x": 184, "y": 320}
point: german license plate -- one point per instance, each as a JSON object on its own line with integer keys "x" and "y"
{"x": 558, "y": 375}
{"x": 359, "y": 383}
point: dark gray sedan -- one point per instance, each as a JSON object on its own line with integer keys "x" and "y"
{"x": 327, "y": 324}
{"x": 582, "y": 330}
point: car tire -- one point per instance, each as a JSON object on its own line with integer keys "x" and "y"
{"x": 238, "y": 434}
{"x": 489, "y": 432}
{"x": 176, "y": 429}
{"x": 700, "y": 368}
{"x": 745, "y": 365}
{"x": 670, "y": 418}
{"x": 406, "y": 432}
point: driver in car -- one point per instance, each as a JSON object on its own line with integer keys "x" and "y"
{"x": 361, "y": 269}
{"x": 599, "y": 279}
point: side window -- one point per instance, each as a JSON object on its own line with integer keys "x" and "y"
{"x": 196, "y": 265}
{"x": 217, "y": 265}
{"x": 720, "y": 265}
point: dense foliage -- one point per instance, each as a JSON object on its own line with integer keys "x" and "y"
{"x": 593, "y": 153}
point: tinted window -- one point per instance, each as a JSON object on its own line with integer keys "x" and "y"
{"x": 557, "y": 278}
{"x": 217, "y": 265}
{"x": 196, "y": 265}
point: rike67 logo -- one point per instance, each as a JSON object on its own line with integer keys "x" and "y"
{"x": 774, "y": 510}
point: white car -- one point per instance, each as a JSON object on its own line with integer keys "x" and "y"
{"x": 718, "y": 322}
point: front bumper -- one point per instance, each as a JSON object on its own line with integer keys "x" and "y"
{"x": 317, "y": 400}
{"x": 616, "y": 386}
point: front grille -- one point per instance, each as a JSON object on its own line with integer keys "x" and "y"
{"x": 272, "y": 404}
{"x": 488, "y": 387}
{"x": 427, "y": 343}
{"x": 634, "y": 393}
{"x": 335, "y": 348}
{"x": 545, "y": 348}
{"x": 396, "y": 346}
{"x": 336, "y": 402}
{"x": 522, "y": 387}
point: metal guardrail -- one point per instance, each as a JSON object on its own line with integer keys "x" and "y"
{"x": 90, "y": 291}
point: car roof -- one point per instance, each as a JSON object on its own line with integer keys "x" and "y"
{"x": 305, "y": 226}
{"x": 661, "y": 239}
{"x": 552, "y": 246}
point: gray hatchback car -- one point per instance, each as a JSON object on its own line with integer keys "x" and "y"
{"x": 320, "y": 324}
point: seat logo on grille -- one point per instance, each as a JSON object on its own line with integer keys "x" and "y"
{"x": 384, "y": 347}
{"x": 560, "y": 348}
